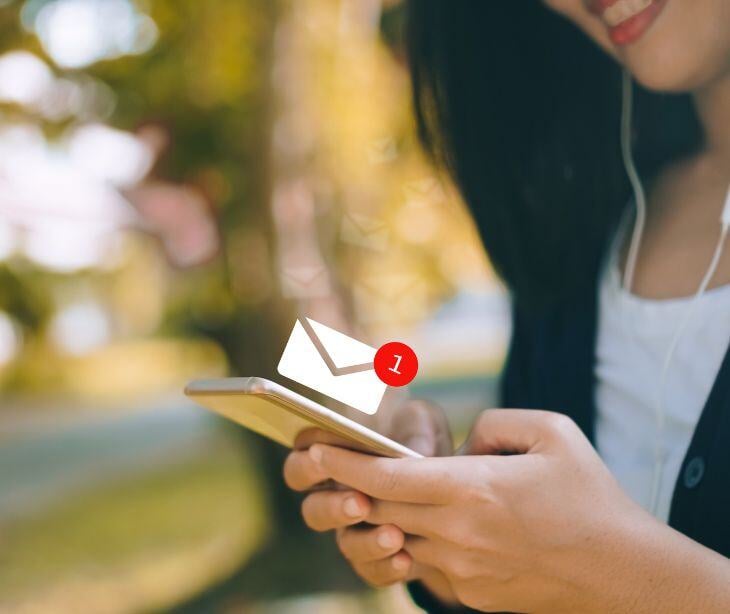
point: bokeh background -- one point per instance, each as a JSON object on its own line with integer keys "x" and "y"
{"x": 178, "y": 180}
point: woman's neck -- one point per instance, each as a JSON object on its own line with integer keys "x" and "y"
{"x": 684, "y": 207}
{"x": 713, "y": 106}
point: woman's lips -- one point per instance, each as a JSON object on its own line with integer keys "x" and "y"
{"x": 627, "y": 20}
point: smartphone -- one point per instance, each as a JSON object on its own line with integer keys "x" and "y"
{"x": 280, "y": 414}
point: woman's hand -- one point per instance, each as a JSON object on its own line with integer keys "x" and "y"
{"x": 375, "y": 553}
{"x": 543, "y": 529}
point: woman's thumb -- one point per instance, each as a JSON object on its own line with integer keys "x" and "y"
{"x": 422, "y": 426}
{"x": 508, "y": 431}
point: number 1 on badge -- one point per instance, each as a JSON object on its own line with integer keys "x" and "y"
{"x": 394, "y": 368}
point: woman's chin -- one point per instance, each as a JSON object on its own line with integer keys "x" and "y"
{"x": 677, "y": 64}
{"x": 672, "y": 75}
{"x": 669, "y": 84}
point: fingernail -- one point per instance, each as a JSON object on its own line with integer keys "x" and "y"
{"x": 401, "y": 562}
{"x": 315, "y": 453}
{"x": 386, "y": 540}
{"x": 352, "y": 508}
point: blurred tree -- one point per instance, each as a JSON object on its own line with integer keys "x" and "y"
{"x": 280, "y": 117}
{"x": 202, "y": 98}
{"x": 208, "y": 84}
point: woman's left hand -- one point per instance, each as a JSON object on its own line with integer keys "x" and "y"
{"x": 541, "y": 529}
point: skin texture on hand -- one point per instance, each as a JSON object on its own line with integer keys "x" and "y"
{"x": 545, "y": 529}
{"x": 375, "y": 552}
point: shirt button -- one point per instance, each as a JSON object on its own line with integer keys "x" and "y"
{"x": 694, "y": 471}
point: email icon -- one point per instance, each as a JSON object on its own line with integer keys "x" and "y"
{"x": 365, "y": 231}
{"x": 334, "y": 364}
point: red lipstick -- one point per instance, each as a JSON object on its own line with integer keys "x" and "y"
{"x": 631, "y": 29}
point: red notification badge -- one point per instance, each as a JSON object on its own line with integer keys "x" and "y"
{"x": 396, "y": 364}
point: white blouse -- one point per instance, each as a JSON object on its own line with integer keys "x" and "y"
{"x": 634, "y": 335}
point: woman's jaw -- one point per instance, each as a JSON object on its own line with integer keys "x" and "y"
{"x": 667, "y": 45}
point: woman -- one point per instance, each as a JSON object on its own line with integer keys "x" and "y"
{"x": 522, "y": 102}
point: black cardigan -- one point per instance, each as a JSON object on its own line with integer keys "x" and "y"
{"x": 551, "y": 365}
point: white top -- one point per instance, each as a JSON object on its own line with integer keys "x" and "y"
{"x": 633, "y": 339}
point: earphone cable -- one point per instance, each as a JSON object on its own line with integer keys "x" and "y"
{"x": 634, "y": 178}
{"x": 660, "y": 414}
{"x": 628, "y": 278}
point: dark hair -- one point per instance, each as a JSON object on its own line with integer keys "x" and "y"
{"x": 524, "y": 111}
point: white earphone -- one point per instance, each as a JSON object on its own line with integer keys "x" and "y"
{"x": 628, "y": 278}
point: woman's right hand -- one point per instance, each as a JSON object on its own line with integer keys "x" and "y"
{"x": 375, "y": 553}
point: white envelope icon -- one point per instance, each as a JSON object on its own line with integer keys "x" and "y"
{"x": 334, "y": 364}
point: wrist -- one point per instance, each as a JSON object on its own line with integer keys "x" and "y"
{"x": 650, "y": 567}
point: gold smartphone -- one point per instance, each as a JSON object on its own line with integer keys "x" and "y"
{"x": 280, "y": 414}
